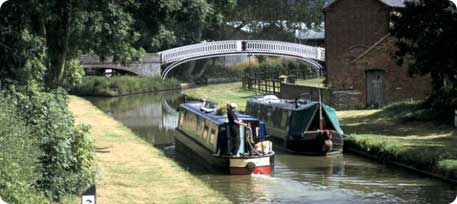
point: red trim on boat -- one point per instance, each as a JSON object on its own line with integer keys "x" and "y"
{"x": 245, "y": 171}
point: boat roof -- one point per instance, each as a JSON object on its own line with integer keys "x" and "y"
{"x": 194, "y": 107}
{"x": 274, "y": 101}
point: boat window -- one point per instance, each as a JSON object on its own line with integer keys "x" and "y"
{"x": 181, "y": 118}
{"x": 198, "y": 123}
{"x": 276, "y": 117}
{"x": 205, "y": 133}
{"x": 201, "y": 124}
{"x": 213, "y": 136}
{"x": 191, "y": 120}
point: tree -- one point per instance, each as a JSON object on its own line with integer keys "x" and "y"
{"x": 63, "y": 29}
{"x": 21, "y": 53}
{"x": 273, "y": 19}
{"x": 172, "y": 23}
{"x": 427, "y": 32}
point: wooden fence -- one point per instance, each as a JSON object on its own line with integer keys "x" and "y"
{"x": 269, "y": 82}
{"x": 263, "y": 86}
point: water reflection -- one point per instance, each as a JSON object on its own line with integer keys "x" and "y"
{"x": 296, "y": 179}
{"x": 151, "y": 116}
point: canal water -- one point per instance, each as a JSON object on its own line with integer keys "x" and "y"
{"x": 345, "y": 178}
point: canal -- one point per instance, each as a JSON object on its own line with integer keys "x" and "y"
{"x": 345, "y": 178}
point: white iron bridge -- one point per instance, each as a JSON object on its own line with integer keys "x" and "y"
{"x": 161, "y": 63}
{"x": 177, "y": 56}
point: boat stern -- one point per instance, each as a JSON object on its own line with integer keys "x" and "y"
{"x": 251, "y": 165}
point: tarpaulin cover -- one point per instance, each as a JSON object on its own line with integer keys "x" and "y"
{"x": 302, "y": 118}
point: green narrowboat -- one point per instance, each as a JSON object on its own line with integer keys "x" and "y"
{"x": 300, "y": 126}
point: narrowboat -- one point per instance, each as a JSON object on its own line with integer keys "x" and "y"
{"x": 300, "y": 126}
{"x": 207, "y": 134}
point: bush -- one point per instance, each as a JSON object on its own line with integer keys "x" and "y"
{"x": 282, "y": 66}
{"x": 67, "y": 163}
{"x": 443, "y": 102}
{"x": 116, "y": 86}
{"x": 19, "y": 153}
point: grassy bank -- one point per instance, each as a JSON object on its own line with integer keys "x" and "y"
{"x": 132, "y": 171}
{"x": 316, "y": 82}
{"x": 123, "y": 85}
{"x": 390, "y": 135}
{"x": 221, "y": 93}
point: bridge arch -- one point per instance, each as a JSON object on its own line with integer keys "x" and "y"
{"x": 177, "y": 56}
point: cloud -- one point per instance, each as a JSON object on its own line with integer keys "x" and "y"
{"x": 2, "y": 1}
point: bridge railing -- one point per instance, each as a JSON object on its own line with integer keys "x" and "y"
{"x": 240, "y": 46}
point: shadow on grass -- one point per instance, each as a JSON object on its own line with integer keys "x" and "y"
{"x": 404, "y": 129}
{"x": 392, "y": 135}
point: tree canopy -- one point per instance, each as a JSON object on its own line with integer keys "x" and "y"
{"x": 272, "y": 19}
{"x": 40, "y": 40}
{"x": 427, "y": 32}
{"x": 52, "y": 34}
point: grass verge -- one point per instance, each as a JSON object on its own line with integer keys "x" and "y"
{"x": 132, "y": 171}
{"x": 122, "y": 85}
{"x": 222, "y": 93}
{"x": 316, "y": 82}
{"x": 390, "y": 135}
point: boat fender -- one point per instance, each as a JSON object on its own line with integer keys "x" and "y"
{"x": 250, "y": 166}
{"x": 327, "y": 146}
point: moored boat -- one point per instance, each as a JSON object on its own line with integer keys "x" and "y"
{"x": 208, "y": 135}
{"x": 301, "y": 126}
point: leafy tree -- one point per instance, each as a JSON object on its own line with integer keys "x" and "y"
{"x": 21, "y": 53}
{"x": 273, "y": 19}
{"x": 427, "y": 32}
{"x": 166, "y": 24}
{"x": 58, "y": 31}
{"x": 151, "y": 19}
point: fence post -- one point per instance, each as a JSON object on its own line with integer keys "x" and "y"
{"x": 264, "y": 85}
{"x": 274, "y": 87}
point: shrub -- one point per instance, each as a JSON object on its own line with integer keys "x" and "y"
{"x": 448, "y": 166}
{"x": 67, "y": 163}
{"x": 19, "y": 153}
{"x": 443, "y": 102}
{"x": 116, "y": 86}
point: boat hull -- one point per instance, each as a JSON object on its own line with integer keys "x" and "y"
{"x": 257, "y": 165}
{"x": 310, "y": 143}
{"x": 243, "y": 165}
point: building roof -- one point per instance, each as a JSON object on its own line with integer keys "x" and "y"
{"x": 389, "y": 3}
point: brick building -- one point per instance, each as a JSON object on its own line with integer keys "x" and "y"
{"x": 359, "y": 53}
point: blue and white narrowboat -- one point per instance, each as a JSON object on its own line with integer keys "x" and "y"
{"x": 206, "y": 134}
{"x": 300, "y": 126}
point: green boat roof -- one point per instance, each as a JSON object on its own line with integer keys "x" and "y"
{"x": 303, "y": 116}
